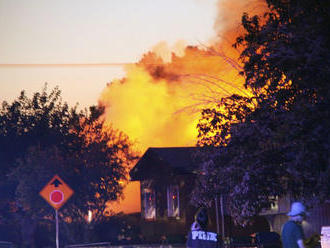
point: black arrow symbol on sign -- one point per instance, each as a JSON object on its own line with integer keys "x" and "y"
{"x": 56, "y": 182}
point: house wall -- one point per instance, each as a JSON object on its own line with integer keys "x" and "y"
{"x": 270, "y": 220}
{"x": 171, "y": 228}
{"x": 319, "y": 216}
{"x": 168, "y": 226}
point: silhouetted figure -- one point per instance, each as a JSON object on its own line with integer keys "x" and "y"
{"x": 292, "y": 231}
{"x": 198, "y": 236}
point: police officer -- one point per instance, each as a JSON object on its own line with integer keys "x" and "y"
{"x": 198, "y": 236}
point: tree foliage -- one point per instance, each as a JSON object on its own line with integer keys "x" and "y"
{"x": 281, "y": 146}
{"x": 41, "y": 137}
{"x": 215, "y": 124}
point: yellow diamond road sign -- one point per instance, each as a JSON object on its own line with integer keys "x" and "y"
{"x": 56, "y": 192}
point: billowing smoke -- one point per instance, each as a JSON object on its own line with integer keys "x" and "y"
{"x": 158, "y": 103}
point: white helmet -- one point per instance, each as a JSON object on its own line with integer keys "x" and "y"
{"x": 296, "y": 209}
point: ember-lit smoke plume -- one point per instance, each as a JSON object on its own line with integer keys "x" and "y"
{"x": 159, "y": 101}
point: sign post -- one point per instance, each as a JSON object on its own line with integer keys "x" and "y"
{"x": 56, "y": 193}
{"x": 56, "y": 224}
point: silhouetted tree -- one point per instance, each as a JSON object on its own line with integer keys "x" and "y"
{"x": 281, "y": 146}
{"x": 42, "y": 137}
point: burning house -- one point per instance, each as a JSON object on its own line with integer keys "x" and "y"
{"x": 167, "y": 178}
{"x": 158, "y": 104}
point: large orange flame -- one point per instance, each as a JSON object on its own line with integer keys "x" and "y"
{"x": 158, "y": 102}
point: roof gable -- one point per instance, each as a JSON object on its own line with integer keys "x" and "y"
{"x": 175, "y": 160}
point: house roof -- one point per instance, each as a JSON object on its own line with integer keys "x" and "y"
{"x": 172, "y": 160}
